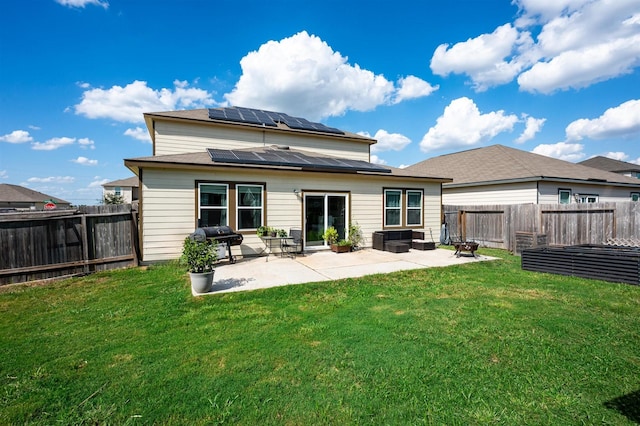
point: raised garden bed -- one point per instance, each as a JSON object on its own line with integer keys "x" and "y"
{"x": 602, "y": 262}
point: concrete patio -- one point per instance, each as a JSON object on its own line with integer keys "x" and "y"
{"x": 262, "y": 272}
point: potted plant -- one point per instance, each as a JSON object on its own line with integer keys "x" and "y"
{"x": 343, "y": 246}
{"x": 355, "y": 236}
{"x": 331, "y": 236}
{"x": 262, "y": 231}
{"x": 282, "y": 233}
{"x": 199, "y": 257}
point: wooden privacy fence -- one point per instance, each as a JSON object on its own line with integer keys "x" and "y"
{"x": 499, "y": 226}
{"x": 42, "y": 245}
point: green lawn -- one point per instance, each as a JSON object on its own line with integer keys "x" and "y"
{"x": 482, "y": 343}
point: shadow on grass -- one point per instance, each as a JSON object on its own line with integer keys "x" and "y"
{"x": 628, "y": 405}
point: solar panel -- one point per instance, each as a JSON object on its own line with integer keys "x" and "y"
{"x": 293, "y": 159}
{"x": 268, "y": 118}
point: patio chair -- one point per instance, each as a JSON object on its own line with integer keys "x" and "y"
{"x": 293, "y": 245}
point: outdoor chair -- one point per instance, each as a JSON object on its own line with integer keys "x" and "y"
{"x": 293, "y": 245}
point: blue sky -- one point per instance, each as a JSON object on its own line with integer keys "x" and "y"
{"x": 425, "y": 78}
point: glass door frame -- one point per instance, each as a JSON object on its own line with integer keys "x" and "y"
{"x": 347, "y": 214}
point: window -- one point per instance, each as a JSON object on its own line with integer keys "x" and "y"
{"x": 214, "y": 204}
{"x": 564, "y": 196}
{"x": 403, "y": 213}
{"x": 249, "y": 204}
{"x": 635, "y": 196}
{"x": 392, "y": 207}
{"x": 118, "y": 191}
{"x": 238, "y": 205}
{"x": 587, "y": 198}
{"x": 414, "y": 208}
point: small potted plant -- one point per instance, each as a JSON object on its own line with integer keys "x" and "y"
{"x": 355, "y": 236}
{"x": 332, "y": 237}
{"x": 343, "y": 246}
{"x": 262, "y": 231}
{"x": 199, "y": 257}
{"x": 282, "y": 233}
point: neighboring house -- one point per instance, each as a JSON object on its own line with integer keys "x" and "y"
{"x": 500, "y": 175}
{"x": 247, "y": 168}
{"x": 21, "y": 198}
{"x": 126, "y": 188}
{"x": 615, "y": 166}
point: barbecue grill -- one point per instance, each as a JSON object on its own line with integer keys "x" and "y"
{"x": 221, "y": 234}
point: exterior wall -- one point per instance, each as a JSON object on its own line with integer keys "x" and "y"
{"x": 127, "y": 193}
{"x": 549, "y": 192}
{"x": 181, "y": 138}
{"x": 169, "y": 204}
{"x": 514, "y": 193}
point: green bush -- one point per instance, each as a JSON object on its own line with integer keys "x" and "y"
{"x": 199, "y": 256}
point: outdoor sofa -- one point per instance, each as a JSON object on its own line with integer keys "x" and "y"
{"x": 400, "y": 240}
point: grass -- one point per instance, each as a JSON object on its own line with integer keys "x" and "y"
{"x": 482, "y": 343}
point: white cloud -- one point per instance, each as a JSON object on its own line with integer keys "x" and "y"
{"x": 4, "y": 174}
{"x": 621, "y": 121}
{"x": 562, "y": 150}
{"x": 412, "y": 87}
{"x": 377, "y": 160}
{"x": 84, "y": 161}
{"x": 387, "y": 141}
{"x": 53, "y": 143}
{"x": 52, "y": 179}
{"x": 483, "y": 57}
{"x": 302, "y": 75}
{"x": 17, "y": 136}
{"x": 128, "y": 103}
{"x": 462, "y": 125}
{"x": 620, "y": 156}
{"x": 636, "y": 161}
{"x": 532, "y": 127}
{"x": 86, "y": 143}
{"x": 98, "y": 182}
{"x": 82, "y": 3}
{"x": 578, "y": 43}
{"x": 138, "y": 133}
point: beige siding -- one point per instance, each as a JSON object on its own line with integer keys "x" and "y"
{"x": 125, "y": 191}
{"x": 549, "y": 192}
{"x": 181, "y": 138}
{"x": 514, "y": 193}
{"x": 169, "y": 204}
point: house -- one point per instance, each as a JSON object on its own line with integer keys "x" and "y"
{"x": 615, "y": 166}
{"x": 501, "y": 175}
{"x": 15, "y": 197}
{"x": 126, "y": 188}
{"x": 247, "y": 168}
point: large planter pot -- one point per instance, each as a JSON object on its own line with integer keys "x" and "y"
{"x": 201, "y": 282}
{"x": 340, "y": 249}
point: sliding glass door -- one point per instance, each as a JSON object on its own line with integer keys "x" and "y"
{"x": 322, "y": 211}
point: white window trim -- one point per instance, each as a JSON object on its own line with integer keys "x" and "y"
{"x": 560, "y": 192}
{"x": 637, "y": 195}
{"x": 238, "y": 207}
{"x": 201, "y": 207}
{"x": 408, "y": 191}
{"x": 399, "y": 208}
{"x": 584, "y": 198}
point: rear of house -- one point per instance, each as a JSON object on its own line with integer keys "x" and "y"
{"x": 247, "y": 168}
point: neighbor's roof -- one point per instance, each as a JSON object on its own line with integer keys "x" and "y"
{"x": 611, "y": 165}
{"x": 19, "y": 194}
{"x": 500, "y": 164}
{"x": 133, "y": 182}
{"x": 281, "y": 122}
{"x": 203, "y": 158}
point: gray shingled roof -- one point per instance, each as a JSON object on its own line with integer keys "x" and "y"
{"x": 202, "y": 115}
{"x": 611, "y": 165}
{"x": 19, "y": 194}
{"x": 498, "y": 163}
{"x": 203, "y": 159}
{"x": 133, "y": 182}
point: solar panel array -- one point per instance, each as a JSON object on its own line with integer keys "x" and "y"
{"x": 295, "y": 159}
{"x": 268, "y": 118}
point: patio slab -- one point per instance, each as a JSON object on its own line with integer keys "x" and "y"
{"x": 257, "y": 273}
